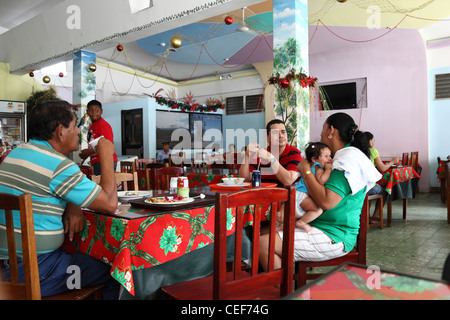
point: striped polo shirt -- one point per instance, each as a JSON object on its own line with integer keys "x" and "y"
{"x": 289, "y": 159}
{"x": 52, "y": 180}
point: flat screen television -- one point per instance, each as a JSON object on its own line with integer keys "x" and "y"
{"x": 341, "y": 96}
{"x": 208, "y": 126}
{"x": 166, "y": 123}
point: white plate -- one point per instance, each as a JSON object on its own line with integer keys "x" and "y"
{"x": 243, "y": 184}
{"x": 186, "y": 200}
{"x": 128, "y": 195}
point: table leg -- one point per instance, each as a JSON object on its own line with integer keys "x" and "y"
{"x": 389, "y": 214}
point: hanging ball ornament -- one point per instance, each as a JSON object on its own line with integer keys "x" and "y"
{"x": 119, "y": 47}
{"x": 175, "y": 42}
{"x": 342, "y": 1}
{"x": 284, "y": 83}
{"x": 46, "y": 79}
{"x": 228, "y": 20}
{"x": 31, "y": 74}
{"x": 92, "y": 67}
{"x": 61, "y": 74}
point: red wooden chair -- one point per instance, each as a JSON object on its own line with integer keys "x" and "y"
{"x": 447, "y": 178}
{"x": 239, "y": 284}
{"x": 357, "y": 255}
{"x": 405, "y": 159}
{"x": 161, "y": 177}
{"x": 140, "y": 163}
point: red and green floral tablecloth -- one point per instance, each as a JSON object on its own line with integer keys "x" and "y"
{"x": 394, "y": 176}
{"x": 131, "y": 244}
{"x": 352, "y": 282}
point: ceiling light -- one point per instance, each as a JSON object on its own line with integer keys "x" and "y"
{"x": 162, "y": 44}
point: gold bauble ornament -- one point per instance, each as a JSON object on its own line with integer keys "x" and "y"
{"x": 175, "y": 42}
{"x": 92, "y": 67}
{"x": 46, "y": 79}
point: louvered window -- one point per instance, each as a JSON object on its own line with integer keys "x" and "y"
{"x": 244, "y": 104}
{"x": 253, "y": 103}
{"x": 442, "y": 86}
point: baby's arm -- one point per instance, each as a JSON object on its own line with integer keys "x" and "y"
{"x": 322, "y": 175}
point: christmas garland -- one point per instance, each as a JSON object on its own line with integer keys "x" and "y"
{"x": 302, "y": 78}
{"x": 188, "y": 103}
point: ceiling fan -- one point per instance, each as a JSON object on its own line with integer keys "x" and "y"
{"x": 243, "y": 27}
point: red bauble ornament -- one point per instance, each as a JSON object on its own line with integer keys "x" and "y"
{"x": 31, "y": 74}
{"x": 61, "y": 74}
{"x": 284, "y": 83}
{"x": 228, "y": 20}
{"x": 119, "y": 47}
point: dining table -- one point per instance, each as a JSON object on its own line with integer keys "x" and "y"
{"x": 149, "y": 246}
{"x": 351, "y": 281}
{"x": 399, "y": 182}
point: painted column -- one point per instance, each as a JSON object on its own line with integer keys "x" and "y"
{"x": 83, "y": 90}
{"x": 290, "y": 52}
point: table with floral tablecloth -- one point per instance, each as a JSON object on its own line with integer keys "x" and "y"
{"x": 358, "y": 282}
{"x": 133, "y": 239}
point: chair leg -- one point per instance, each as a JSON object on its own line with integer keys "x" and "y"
{"x": 389, "y": 214}
{"x": 405, "y": 206}
{"x": 381, "y": 211}
{"x": 301, "y": 275}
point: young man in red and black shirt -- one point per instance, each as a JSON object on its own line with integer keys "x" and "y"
{"x": 278, "y": 162}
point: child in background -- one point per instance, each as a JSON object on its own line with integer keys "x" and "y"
{"x": 99, "y": 127}
{"x": 306, "y": 210}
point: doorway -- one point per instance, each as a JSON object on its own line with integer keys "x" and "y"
{"x": 132, "y": 133}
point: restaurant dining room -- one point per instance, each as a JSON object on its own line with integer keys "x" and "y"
{"x": 253, "y": 150}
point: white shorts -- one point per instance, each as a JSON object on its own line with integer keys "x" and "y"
{"x": 315, "y": 246}
{"x": 299, "y": 197}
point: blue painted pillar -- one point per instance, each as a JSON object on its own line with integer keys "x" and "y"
{"x": 290, "y": 51}
{"x": 83, "y": 89}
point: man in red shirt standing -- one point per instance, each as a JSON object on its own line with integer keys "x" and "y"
{"x": 278, "y": 162}
{"x": 99, "y": 127}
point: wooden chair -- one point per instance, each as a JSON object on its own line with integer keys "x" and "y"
{"x": 415, "y": 165}
{"x": 87, "y": 170}
{"x": 238, "y": 284}
{"x": 127, "y": 166}
{"x": 405, "y": 159}
{"x": 148, "y": 173}
{"x": 357, "y": 255}
{"x": 447, "y": 178}
{"x": 30, "y": 289}
{"x": 442, "y": 179}
{"x": 176, "y": 160}
{"x": 161, "y": 177}
{"x": 123, "y": 178}
{"x": 379, "y": 204}
{"x": 140, "y": 163}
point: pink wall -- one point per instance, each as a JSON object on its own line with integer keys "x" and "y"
{"x": 396, "y": 71}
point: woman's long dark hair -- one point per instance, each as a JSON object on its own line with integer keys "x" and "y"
{"x": 348, "y": 131}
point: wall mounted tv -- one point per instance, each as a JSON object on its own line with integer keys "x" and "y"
{"x": 168, "y": 121}
{"x": 341, "y": 96}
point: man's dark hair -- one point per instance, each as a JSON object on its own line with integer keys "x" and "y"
{"x": 271, "y": 122}
{"x": 94, "y": 103}
{"x": 46, "y": 117}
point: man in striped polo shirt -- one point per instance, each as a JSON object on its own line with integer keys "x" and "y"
{"x": 58, "y": 189}
{"x": 278, "y": 162}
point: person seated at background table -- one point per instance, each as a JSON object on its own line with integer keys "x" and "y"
{"x": 277, "y": 163}
{"x": 58, "y": 189}
{"x": 229, "y": 156}
{"x": 380, "y": 165}
{"x": 335, "y": 231}
{"x": 163, "y": 155}
{"x": 99, "y": 127}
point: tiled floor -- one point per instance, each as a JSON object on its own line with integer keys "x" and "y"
{"x": 418, "y": 245}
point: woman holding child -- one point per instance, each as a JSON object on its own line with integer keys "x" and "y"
{"x": 333, "y": 233}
